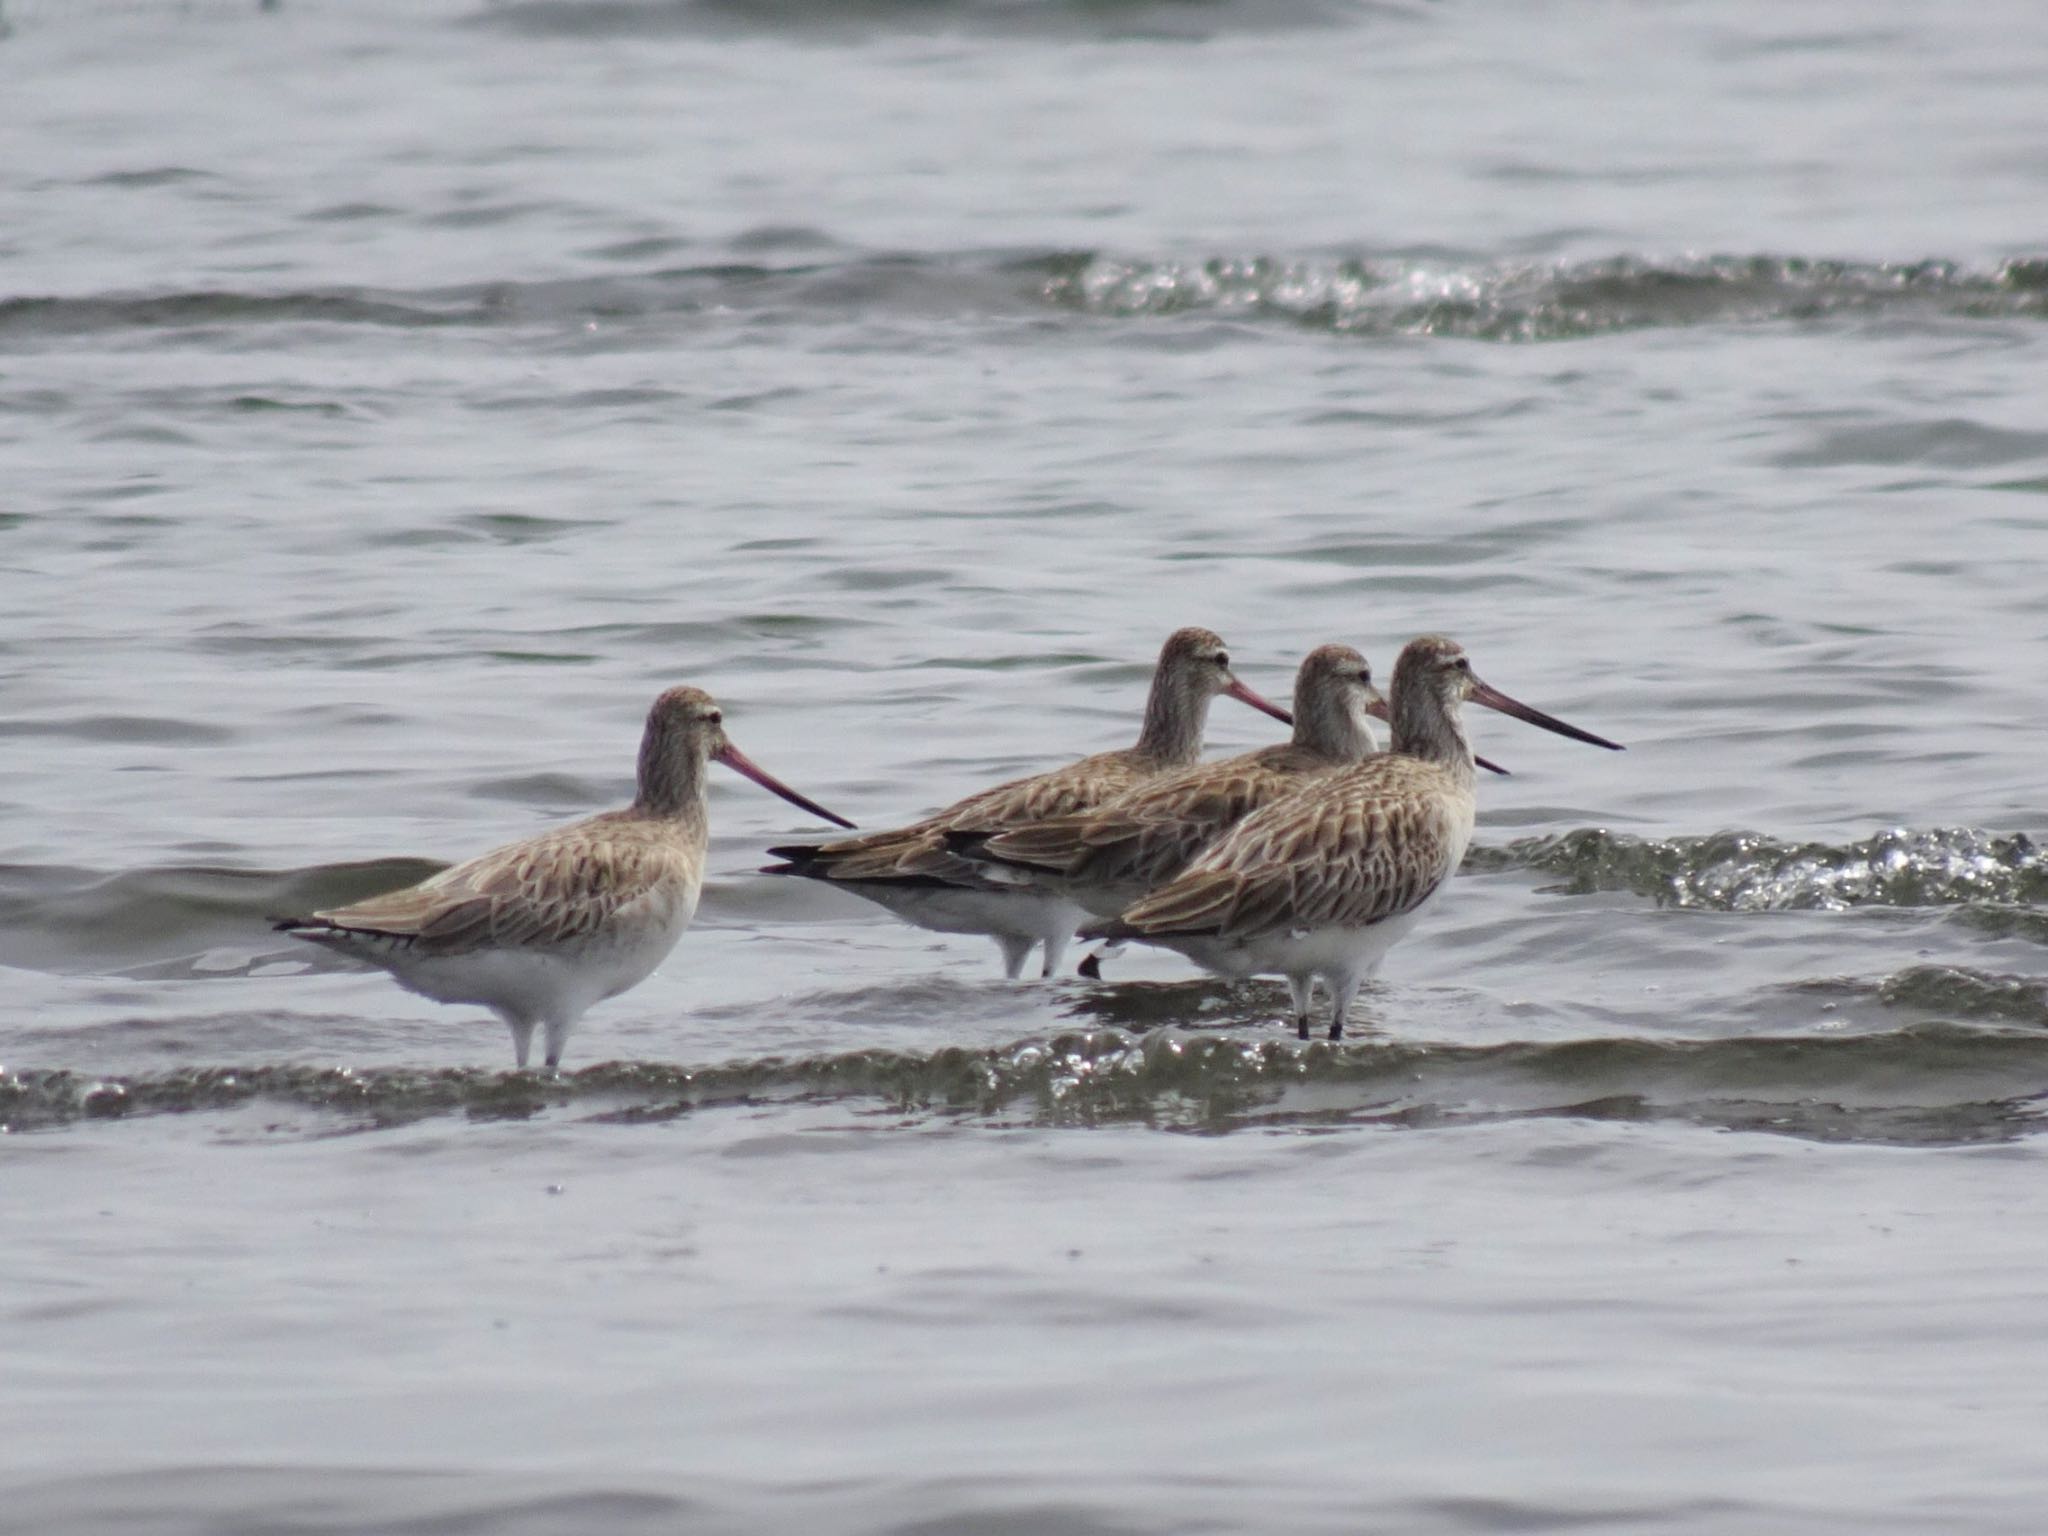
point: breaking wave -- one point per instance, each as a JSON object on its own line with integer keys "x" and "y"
{"x": 1544, "y": 301}
{"x": 1924, "y": 1084}
{"x": 1749, "y": 872}
{"x": 794, "y": 274}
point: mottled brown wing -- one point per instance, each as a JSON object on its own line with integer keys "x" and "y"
{"x": 919, "y": 851}
{"x": 1141, "y": 845}
{"x": 918, "y": 854}
{"x": 1062, "y": 792}
{"x": 1049, "y": 845}
{"x": 878, "y": 856}
{"x": 543, "y": 892}
{"x": 1149, "y": 833}
{"x": 1314, "y": 859}
{"x": 1147, "y": 839}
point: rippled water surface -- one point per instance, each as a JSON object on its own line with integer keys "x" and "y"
{"x": 395, "y": 397}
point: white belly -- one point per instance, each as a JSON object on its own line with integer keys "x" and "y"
{"x": 1325, "y": 952}
{"x": 1020, "y": 912}
{"x": 556, "y": 982}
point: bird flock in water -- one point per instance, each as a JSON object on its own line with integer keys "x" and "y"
{"x": 1306, "y": 860}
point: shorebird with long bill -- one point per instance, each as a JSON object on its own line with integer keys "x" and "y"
{"x": 538, "y": 931}
{"x": 1107, "y": 857}
{"x": 1319, "y": 884}
{"x": 914, "y": 874}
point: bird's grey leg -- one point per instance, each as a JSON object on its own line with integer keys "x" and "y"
{"x": 1016, "y": 948}
{"x": 558, "y": 1036}
{"x": 1302, "y": 990}
{"x": 522, "y": 1037}
{"x": 1055, "y": 947}
{"x": 1342, "y": 990}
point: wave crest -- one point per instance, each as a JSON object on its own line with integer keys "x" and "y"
{"x": 805, "y": 275}
{"x": 1928, "y": 1083}
{"x": 1749, "y": 872}
{"x": 1542, "y": 302}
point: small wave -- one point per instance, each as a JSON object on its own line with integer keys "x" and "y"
{"x": 1748, "y": 872}
{"x": 1950, "y": 993}
{"x": 184, "y": 311}
{"x": 170, "y": 920}
{"x": 1931, "y": 1084}
{"x": 1360, "y": 296}
{"x": 1186, "y": 20}
{"x": 1543, "y": 302}
{"x": 1957, "y": 993}
{"x": 44, "y": 13}
{"x": 948, "y": 285}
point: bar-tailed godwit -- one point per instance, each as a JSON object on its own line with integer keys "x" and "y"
{"x": 537, "y": 931}
{"x": 1109, "y": 856}
{"x": 910, "y": 870}
{"x": 1319, "y": 884}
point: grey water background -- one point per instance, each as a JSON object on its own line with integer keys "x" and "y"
{"x": 394, "y": 397}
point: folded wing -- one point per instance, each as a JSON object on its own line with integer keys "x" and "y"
{"x": 1327, "y": 856}
{"x": 545, "y": 892}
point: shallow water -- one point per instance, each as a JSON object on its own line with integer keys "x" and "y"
{"x": 394, "y": 398}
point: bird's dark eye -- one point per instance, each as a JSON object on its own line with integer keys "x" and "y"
{"x": 1464, "y": 663}
{"x": 1365, "y": 676}
{"x": 716, "y": 717}
{"x": 1223, "y": 658}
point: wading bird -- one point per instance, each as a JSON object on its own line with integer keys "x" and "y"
{"x": 1319, "y": 884}
{"x": 911, "y": 871}
{"x": 537, "y": 931}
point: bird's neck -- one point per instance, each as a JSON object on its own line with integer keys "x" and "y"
{"x": 1339, "y": 734}
{"x": 1173, "y": 725}
{"x": 671, "y": 783}
{"x": 1431, "y": 730}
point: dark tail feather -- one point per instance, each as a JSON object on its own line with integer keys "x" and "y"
{"x": 798, "y": 859}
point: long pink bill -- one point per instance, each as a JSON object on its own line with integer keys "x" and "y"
{"x": 1379, "y": 709}
{"x": 1244, "y": 695}
{"x": 739, "y": 762}
{"x": 1493, "y": 698}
